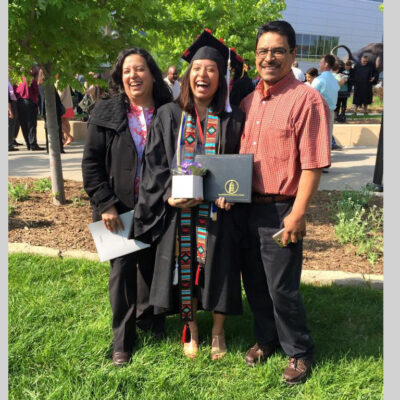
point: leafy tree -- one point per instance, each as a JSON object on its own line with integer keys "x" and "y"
{"x": 75, "y": 36}
{"x": 235, "y": 21}
{"x": 69, "y": 37}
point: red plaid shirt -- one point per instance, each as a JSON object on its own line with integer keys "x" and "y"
{"x": 287, "y": 131}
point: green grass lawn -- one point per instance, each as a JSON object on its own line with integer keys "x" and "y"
{"x": 60, "y": 344}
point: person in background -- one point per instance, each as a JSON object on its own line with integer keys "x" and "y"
{"x": 311, "y": 74}
{"x": 345, "y": 90}
{"x": 27, "y": 101}
{"x": 287, "y": 131}
{"x": 14, "y": 107}
{"x": 193, "y": 237}
{"x": 365, "y": 76}
{"x": 172, "y": 81}
{"x": 343, "y": 93}
{"x": 93, "y": 93}
{"x": 66, "y": 100}
{"x": 12, "y": 118}
{"x": 242, "y": 84}
{"x": 298, "y": 73}
{"x": 328, "y": 86}
{"x": 78, "y": 93}
{"x": 116, "y": 137}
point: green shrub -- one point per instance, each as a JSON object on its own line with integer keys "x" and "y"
{"x": 11, "y": 210}
{"x": 42, "y": 185}
{"x": 18, "y": 192}
{"x": 359, "y": 224}
{"x": 77, "y": 202}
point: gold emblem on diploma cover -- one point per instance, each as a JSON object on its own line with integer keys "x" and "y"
{"x": 231, "y": 188}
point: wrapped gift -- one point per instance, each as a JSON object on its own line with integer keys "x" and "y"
{"x": 187, "y": 181}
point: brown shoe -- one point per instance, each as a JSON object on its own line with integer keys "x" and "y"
{"x": 258, "y": 354}
{"x": 297, "y": 370}
{"x": 121, "y": 358}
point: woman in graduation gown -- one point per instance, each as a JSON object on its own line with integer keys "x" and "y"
{"x": 209, "y": 276}
{"x": 117, "y": 132}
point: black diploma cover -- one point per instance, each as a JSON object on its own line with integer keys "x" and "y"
{"x": 228, "y": 175}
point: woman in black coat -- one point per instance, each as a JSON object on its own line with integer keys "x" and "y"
{"x": 214, "y": 281}
{"x": 116, "y": 137}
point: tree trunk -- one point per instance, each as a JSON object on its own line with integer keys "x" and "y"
{"x": 57, "y": 182}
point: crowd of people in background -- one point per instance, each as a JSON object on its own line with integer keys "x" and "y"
{"x": 26, "y": 104}
{"x": 26, "y": 98}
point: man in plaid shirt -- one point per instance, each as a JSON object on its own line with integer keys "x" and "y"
{"x": 287, "y": 131}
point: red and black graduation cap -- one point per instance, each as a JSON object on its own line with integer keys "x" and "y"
{"x": 207, "y": 46}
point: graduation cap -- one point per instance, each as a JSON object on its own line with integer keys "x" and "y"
{"x": 207, "y": 46}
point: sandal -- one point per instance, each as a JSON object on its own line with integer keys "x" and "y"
{"x": 190, "y": 349}
{"x": 69, "y": 140}
{"x": 218, "y": 346}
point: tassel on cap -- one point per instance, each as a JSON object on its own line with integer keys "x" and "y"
{"x": 228, "y": 107}
{"x": 196, "y": 282}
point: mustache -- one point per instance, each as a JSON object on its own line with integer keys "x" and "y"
{"x": 271, "y": 64}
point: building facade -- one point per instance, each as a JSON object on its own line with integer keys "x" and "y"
{"x": 322, "y": 24}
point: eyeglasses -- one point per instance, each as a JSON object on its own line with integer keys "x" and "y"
{"x": 277, "y": 52}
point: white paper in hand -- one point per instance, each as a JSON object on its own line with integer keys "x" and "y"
{"x": 110, "y": 245}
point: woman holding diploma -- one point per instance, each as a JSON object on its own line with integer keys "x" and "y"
{"x": 196, "y": 260}
{"x": 116, "y": 137}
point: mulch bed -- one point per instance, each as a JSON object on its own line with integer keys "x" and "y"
{"x": 38, "y": 222}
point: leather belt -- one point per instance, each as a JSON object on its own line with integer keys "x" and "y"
{"x": 269, "y": 198}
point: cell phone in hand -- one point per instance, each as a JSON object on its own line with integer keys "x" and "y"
{"x": 278, "y": 238}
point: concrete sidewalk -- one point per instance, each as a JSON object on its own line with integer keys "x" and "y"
{"x": 314, "y": 277}
{"x": 352, "y": 168}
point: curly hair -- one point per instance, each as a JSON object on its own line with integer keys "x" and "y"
{"x": 161, "y": 93}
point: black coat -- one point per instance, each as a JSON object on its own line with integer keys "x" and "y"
{"x": 110, "y": 158}
{"x": 156, "y": 221}
{"x": 362, "y": 83}
{"x": 240, "y": 89}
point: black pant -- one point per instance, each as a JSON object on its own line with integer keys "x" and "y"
{"x": 271, "y": 277}
{"x": 13, "y": 124}
{"x": 129, "y": 288}
{"x": 27, "y": 113}
{"x": 341, "y": 106}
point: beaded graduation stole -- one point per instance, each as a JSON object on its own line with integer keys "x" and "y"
{"x": 187, "y": 136}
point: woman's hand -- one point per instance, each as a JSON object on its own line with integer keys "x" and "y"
{"x": 222, "y": 203}
{"x": 184, "y": 203}
{"x": 111, "y": 220}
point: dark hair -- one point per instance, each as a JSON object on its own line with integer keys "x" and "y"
{"x": 349, "y": 63}
{"x": 330, "y": 60}
{"x": 161, "y": 93}
{"x": 185, "y": 99}
{"x": 312, "y": 71}
{"x": 281, "y": 27}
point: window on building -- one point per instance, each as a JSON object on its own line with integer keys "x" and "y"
{"x": 313, "y": 47}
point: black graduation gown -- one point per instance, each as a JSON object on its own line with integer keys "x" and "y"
{"x": 362, "y": 84}
{"x": 156, "y": 221}
{"x": 240, "y": 89}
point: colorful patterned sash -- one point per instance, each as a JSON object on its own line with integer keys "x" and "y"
{"x": 187, "y": 137}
